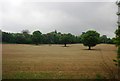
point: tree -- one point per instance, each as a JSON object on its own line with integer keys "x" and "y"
{"x": 7, "y": 37}
{"x": 90, "y": 38}
{"x": 53, "y": 37}
{"x": 27, "y": 36}
{"x": 25, "y": 31}
{"x": 19, "y": 38}
{"x": 103, "y": 39}
{"x": 65, "y": 39}
{"x": 117, "y": 41}
{"x": 0, "y": 36}
{"x": 77, "y": 39}
{"x": 110, "y": 41}
{"x": 37, "y": 37}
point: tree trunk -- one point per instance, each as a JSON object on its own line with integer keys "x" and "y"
{"x": 89, "y": 47}
{"x": 36, "y": 43}
{"x": 65, "y": 44}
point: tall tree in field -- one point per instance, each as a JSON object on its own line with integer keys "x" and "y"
{"x": 37, "y": 37}
{"x": 90, "y": 38}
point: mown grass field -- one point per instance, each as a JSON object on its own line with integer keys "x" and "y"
{"x": 20, "y": 61}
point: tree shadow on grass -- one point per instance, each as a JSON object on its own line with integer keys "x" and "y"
{"x": 65, "y": 46}
{"x": 92, "y": 49}
{"x": 38, "y": 45}
{"x": 35, "y": 45}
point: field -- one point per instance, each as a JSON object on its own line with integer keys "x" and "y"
{"x": 20, "y": 61}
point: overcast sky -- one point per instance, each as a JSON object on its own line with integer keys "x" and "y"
{"x": 65, "y": 17}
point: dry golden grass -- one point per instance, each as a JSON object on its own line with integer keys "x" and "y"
{"x": 56, "y": 61}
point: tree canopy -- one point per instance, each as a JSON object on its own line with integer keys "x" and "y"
{"x": 66, "y": 39}
{"x": 90, "y": 38}
{"x": 37, "y": 37}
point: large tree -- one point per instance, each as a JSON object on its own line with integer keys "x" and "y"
{"x": 37, "y": 37}
{"x": 66, "y": 39}
{"x": 90, "y": 38}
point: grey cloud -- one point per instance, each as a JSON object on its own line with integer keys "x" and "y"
{"x": 74, "y": 17}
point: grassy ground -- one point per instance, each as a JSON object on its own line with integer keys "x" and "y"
{"x": 22, "y": 61}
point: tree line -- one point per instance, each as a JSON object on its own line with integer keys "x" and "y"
{"x": 50, "y": 38}
{"x": 38, "y": 38}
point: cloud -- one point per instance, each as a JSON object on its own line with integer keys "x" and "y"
{"x": 73, "y": 17}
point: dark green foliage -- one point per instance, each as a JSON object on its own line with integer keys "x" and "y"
{"x": 66, "y": 39}
{"x": 37, "y": 37}
{"x": 78, "y": 39}
{"x": 117, "y": 41}
{"x": 50, "y": 38}
{"x": 27, "y": 36}
{"x": 45, "y": 39}
{"x": 8, "y": 37}
{"x": 53, "y": 37}
{"x": 104, "y": 39}
{"x": 19, "y": 38}
{"x": 110, "y": 41}
{"x": 118, "y": 56}
{"x": 117, "y": 32}
{"x": 90, "y": 38}
{"x": 0, "y": 36}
